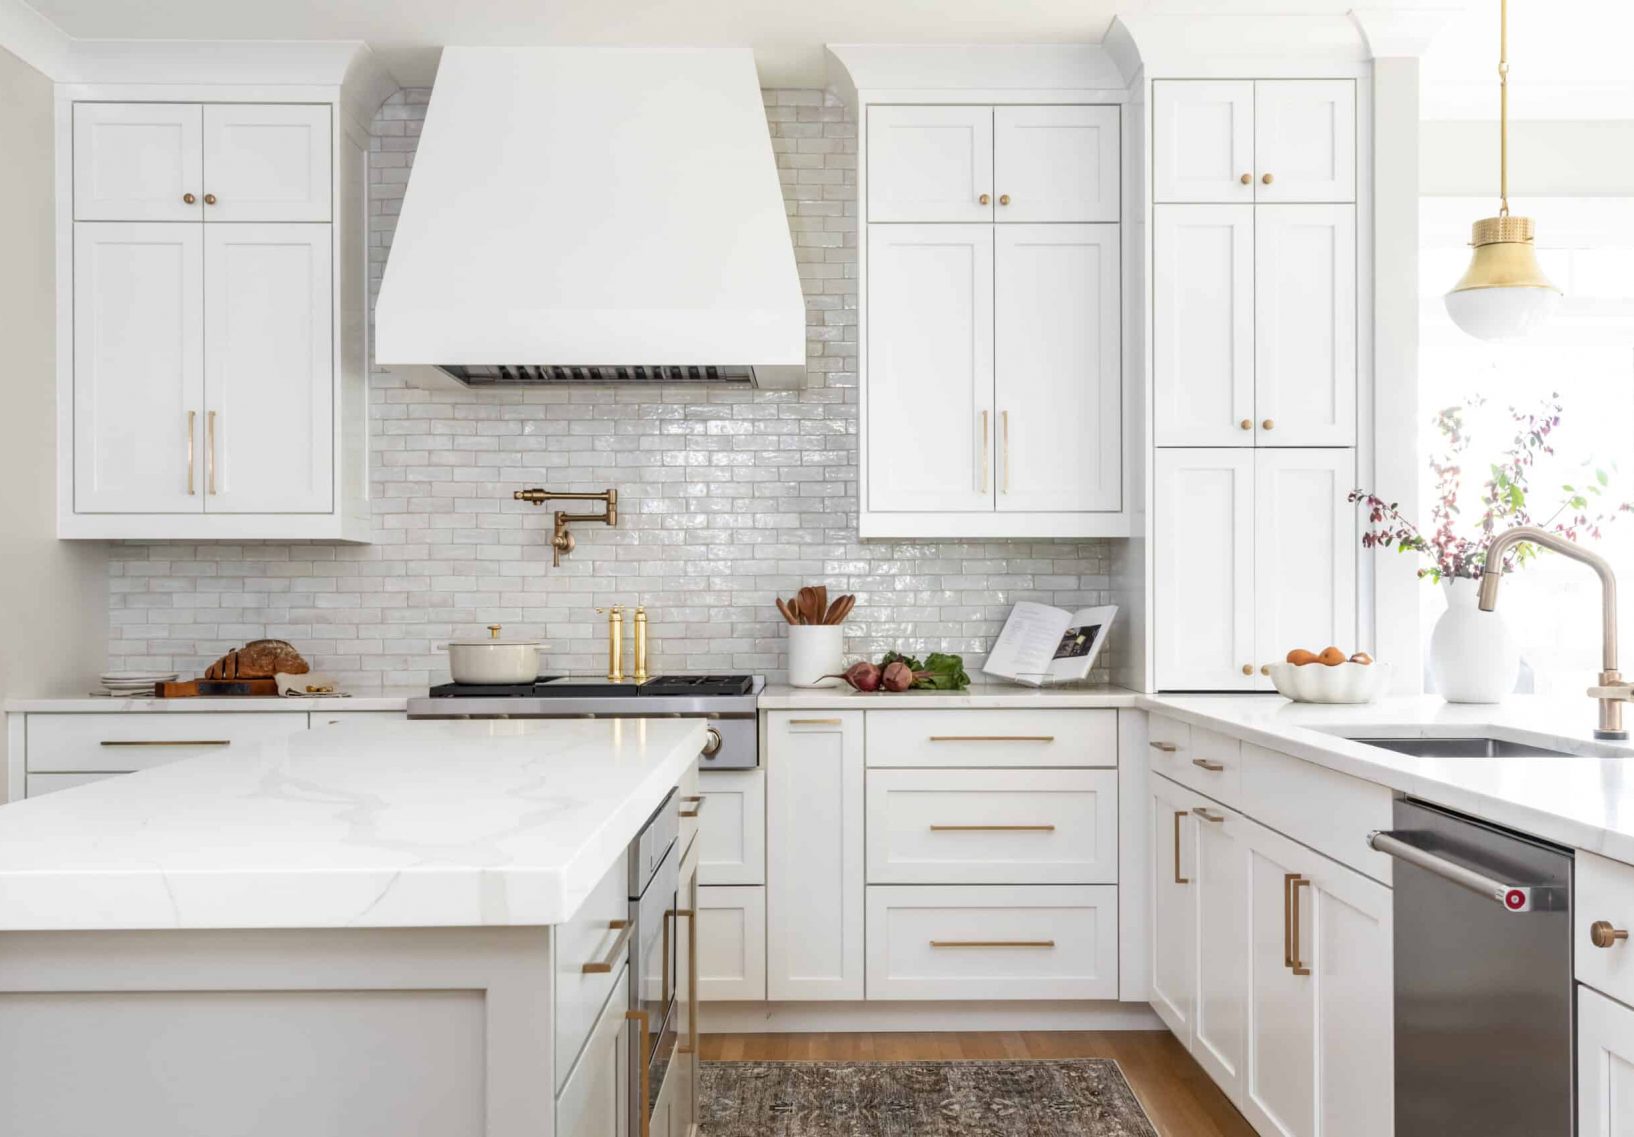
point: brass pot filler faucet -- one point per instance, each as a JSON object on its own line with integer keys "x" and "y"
{"x": 561, "y": 540}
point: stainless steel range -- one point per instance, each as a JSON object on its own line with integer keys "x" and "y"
{"x": 727, "y": 701}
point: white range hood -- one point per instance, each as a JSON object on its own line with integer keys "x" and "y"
{"x": 593, "y": 215}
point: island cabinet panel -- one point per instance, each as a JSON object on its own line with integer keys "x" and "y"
{"x": 1605, "y": 894}
{"x": 595, "y": 1099}
{"x": 590, "y": 951}
{"x": 993, "y": 738}
{"x": 1605, "y": 1066}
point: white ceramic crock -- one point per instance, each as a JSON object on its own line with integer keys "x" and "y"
{"x": 815, "y": 651}
{"x": 493, "y": 660}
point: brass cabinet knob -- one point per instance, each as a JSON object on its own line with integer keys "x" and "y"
{"x": 188, "y": 199}
{"x": 1247, "y": 424}
{"x": 1248, "y": 179}
{"x": 984, "y": 199}
{"x": 1265, "y": 669}
{"x": 1268, "y": 424}
{"x": 1266, "y": 178}
{"x": 209, "y": 199}
{"x": 1603, "y": 935}
{"x": 1004, "y": 199}
{"x": 1248, "y": 669}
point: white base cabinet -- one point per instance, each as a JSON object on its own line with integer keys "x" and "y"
{"x": 731, "y": 943}
{"x": 1605, "y": 1066}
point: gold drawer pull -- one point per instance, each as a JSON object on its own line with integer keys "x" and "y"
{"x": 1165, "y": 747}
{"x": 1603, "y": 935}
{"x": 992, "y": 738}
{"x": 1207, "y": 816}
{"x": 1179, "y": 816}
{"x": 1206, "y": 764}
{"x": 645, "y": 1102}
{"x": 814, "y": 722}
{"x": 697, "y": 806}
{"x": 609, "y": 961}
{"x": 167, "y": 742}
{"x": 992, "y": 943}
{"x": 992, "y": 829}
{"x": 1291, "y": 884}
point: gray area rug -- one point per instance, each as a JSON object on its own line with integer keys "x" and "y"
{"x": 1085, "y": 1097}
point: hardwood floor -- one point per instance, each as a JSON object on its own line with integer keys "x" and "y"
{"x": 1177, "y": 1095}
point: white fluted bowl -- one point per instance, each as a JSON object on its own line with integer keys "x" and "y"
{"x": 1342, "y": 683}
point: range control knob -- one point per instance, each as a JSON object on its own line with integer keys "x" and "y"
{"x": 712, "y": 742}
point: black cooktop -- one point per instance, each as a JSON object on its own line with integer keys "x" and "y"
{"x": 580, "y": 687}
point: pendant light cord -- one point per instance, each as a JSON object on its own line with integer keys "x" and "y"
{"x": 1503, "y": 107}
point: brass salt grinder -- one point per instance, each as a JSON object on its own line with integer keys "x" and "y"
{"x": 615, "y": 643}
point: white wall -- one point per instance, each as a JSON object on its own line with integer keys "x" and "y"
{"x": 1546, "y": 159}
{"x": 53, "y": 595}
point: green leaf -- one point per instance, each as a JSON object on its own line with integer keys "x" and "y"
{"x": 947, "y": 673}
{"x": 1600, "y": 476}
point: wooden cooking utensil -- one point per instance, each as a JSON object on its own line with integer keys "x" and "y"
{"x": 832, "y": 616}
{"x": 783, "y": 607}
{"x": 808, "y": 605}
{"x": 821, "y": 607}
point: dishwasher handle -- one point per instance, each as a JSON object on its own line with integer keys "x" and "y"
{"x": 1513, "y": 897}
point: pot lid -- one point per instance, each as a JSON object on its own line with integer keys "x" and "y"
{"x": 493, "y": 640}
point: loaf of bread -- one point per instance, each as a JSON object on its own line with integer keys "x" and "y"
{"x": 258, "y": 659}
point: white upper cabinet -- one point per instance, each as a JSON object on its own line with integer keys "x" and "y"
{"x": 138, "y": 162}
{"x": 1058, "y": 381}
{"x": 1203, "y": 325}
{"x": 1305, "y": 542}
{"x": 269, "y": 403}
{"x": 929, "y": 399}
{"x": 928, "y": 163}
{"x": 1305, "y": 140}
{"x": 1203, "y": 141}
{"x": 266, "y": 162}
{"x": 1055, "y": 163}
{"x": 138, "y": 368}
{"x": 1305, "y": 325}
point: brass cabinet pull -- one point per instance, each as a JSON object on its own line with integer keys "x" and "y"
{"x": 1166, "y": 747}
{"x": 192, "y": 417}
{"x": 992, "y": 738}
{"x": 210, "y": 450}
{"x": 992, "y": 943}
{"x": 814, "y": 722}
{"x": 1179, "y": 816}
{"x": 1217, "y": 818}
{"x": 1266, "y": 178}
{"x": 646, "y": 1086}
{"x": 1248, "y": 669}
{"x": 1268, "y": 424}
{"x": 698, "y": 805}
{"x": 992, "y": 829}
{"x": 984, "y": 199}
{"x": 1292, "y": 883}
{"x": 209, "y": 199}
{"x": 609, "y": 961}
{"x": 1206, "y": 764}
{"x": 986, "y": 456}
{"x": 167, "y": 742}
{"x": 1603, "y": 935}
{"x": 1004, "y": 441}
{"x": 188, "y": 199}
{"x": 1004, "y": 199}
{"x": 1247, "y": 179}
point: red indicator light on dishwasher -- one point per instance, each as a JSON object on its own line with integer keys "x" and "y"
{"x": 1515, "y": 900}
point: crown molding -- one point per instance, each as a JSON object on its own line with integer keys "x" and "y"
{"x": 34, "y": 39}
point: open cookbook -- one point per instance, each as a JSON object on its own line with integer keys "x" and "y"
{"x": 1042, "y": 644}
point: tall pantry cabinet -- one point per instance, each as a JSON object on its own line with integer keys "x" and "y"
{"x": 1255, "y": 361}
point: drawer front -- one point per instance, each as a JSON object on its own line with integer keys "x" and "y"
{"x": 992, "y": 942}
{"x": 733, "y": 827}
{"x": 119, "y": 743}
{"x": 1331, "y": 812}
{"x": 731, "y": 943}
{"x": 1168, "y": 743}
{"x": 992, "y": 826}
{"x": 591, "y": 951}
{"x": 989, "y": 738}
{"x": 594, "y": 1100}
{"x": 335, "y": 718}
{"x": 37, "y": 784}
{"x": 1605, "y": 894}
{"x": 1210, "y": 763}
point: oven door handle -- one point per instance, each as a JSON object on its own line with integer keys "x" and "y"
{"x": 1511, "y": 897}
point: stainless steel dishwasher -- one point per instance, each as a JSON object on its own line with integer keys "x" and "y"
{"x": 1483, "y": 966}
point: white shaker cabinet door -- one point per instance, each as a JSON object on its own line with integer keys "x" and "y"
{"x": 265, "y": 162}
{"x": 1279, "y": 1086}
{"x": 1605, "y": 1066}
{"x": 1220, "y": 1017}
{"x": 138, "y": 368}
{"x": 1057, "y": 371}
{"x": 1055, "y": 163}
{"x": 137, "y": 162}
{"x": 814, "y": 855}
{"x": 1204, "y": 570}
{"x": 1305, "y": 325}
{"x": 268, "y": 430}
{"x": 1305, "y": 140}
{"x": 1173, "y": 830}
{"x": 595, "y": 1101}
{"x": 1305, "y": 549}
{"x": 1203, "y": 140}
{"x": 930, "y": 368}
{"x": 930, "y": 163}
{"x": 1203, "y": 325}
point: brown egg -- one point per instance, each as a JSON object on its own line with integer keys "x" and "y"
{"x": 1331, "y": 656}
{"x": 1361, "y": 657}
{"x": 1299, "y": 657}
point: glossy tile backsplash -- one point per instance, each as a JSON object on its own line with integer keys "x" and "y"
{"x": 727, "y": 498}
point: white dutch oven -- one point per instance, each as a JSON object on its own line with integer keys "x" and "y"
{"x": 494, "y": 660}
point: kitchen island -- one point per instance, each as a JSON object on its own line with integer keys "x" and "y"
{"x": 371, "y": 928}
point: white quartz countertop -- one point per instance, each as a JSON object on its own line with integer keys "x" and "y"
{"x": 1585, "y": 800}
{"x": 781, "y": 697}
{"x": 83, "y": 704}
{"x": 369, "y": 824}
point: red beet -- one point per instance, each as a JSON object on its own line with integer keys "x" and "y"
{"x": 862, "y": 676}
{"x": 897, "y": 677}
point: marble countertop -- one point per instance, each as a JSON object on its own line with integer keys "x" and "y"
{"x": 782, "y": 697}
{"x": 368, "y": 824}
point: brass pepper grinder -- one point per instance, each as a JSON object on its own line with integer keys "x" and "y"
{"x": 615, "y": 643}
{"x": 640, "y": 643}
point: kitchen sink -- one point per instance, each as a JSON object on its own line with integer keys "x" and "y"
{"x": 1463, "y": 748}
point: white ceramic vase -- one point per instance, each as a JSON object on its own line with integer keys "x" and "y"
{"x": 1473, "y": 658}
{"x": 816, "y": 650}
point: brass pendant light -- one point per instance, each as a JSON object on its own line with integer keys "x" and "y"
{"x": 1503, "y": 295}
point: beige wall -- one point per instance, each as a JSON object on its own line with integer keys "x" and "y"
{"x": 53, "y": 594}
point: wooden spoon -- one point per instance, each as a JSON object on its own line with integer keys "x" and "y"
{"x": 836, "y": 611}
{"x": 846, "y": 604}
{"x": 821, "y": 607}
{"x": 784, "y": 608}
{"x": 808, "y": 605}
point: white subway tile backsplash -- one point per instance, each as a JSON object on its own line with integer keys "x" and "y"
{"x": 727, "y": 499}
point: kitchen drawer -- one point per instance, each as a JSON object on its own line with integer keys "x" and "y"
{"x": 1168, "y": 742}
{"x": 38, "y": 784}
{"x": 992, "y": 942}
{"x": 117, "y": 743}
{"x": 596, "y": 937}
{"x": 691, "y": 810}
{"x": 992, "y": 826}
{"x": 1203, "y": 760}
{"x": 1605, "y": 892}
{"x": 731, "y": 943}
{"x": 987, "y": 738}
{"x": 1331, "y": 812}
{"x": 337, "y": 718}
{"x": 733, "y": 827}
{"x": 594, "y": 1099}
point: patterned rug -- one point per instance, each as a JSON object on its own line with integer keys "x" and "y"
{"x": 1081, "y": 1098}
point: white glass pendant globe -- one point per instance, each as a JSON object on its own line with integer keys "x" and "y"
{"x": 1502, "y": 313}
